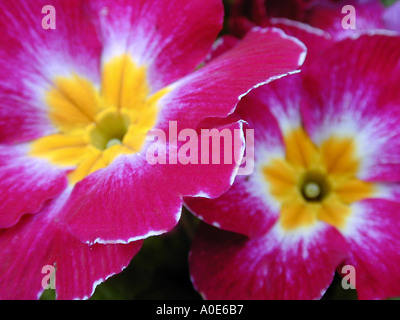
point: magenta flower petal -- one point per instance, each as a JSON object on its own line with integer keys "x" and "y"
{"x": 328, "y": 16}
{"x": 215, "y": 90}
{"x": 229, "y": 266}
{"x": 37, "y": 181}
{"x": 253, "y": 218}
{"x": 316, "y": 40}
{"x": 223, "y": 44}
{"x": 108, "y": 208}
{"x": 43, "y": 240}
{"x": 211, "y": 178}
{"x": 372, "y": 237}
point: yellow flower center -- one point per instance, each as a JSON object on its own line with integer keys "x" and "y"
{"x": 95, "y": 126}
{"x": 316, "y": 184}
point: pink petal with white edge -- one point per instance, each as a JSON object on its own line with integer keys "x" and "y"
{"x": 316, "y": 40}
{"x": 43, "y": 240}
{"x": 327, "y": 15}
{"x": 248, "y": 214}
{"x": 127, "y": 201}
{"x": 282, "y": 98}
{"x": 216, "y": 168}
{"x": 352, "y": 91}
{"x": 372, "y": 235}
{"x": 25, "y": 184}
{"x": 134, "y": 199}
{"x": 170, "y": 37}
{"x": 229, "y": 266}
{"x": 33, "y": 56}
{"x": 215, "y": 89}
{"x": 253, "y": 211}
{"x": 220, "y": 46}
